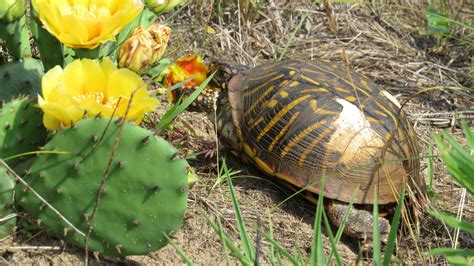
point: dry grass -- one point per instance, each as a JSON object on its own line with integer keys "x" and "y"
{"x": 380, "y": 41}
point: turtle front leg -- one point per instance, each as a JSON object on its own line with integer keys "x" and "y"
{"x": 359, "y": 224}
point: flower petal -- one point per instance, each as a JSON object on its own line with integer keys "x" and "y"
{"x": 86, "y": 24}
{"x": 50, "y": 81}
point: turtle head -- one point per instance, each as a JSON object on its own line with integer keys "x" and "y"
{"x": 215, "y": 93}
{"x": 224, "y": 72}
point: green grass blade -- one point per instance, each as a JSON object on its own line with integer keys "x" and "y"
{"x": 332, "y": 241}
{"x": 430, "y": 168}
{"x": 281, "y": 249}
{"x": 455, "y": 256}
{"x": 460, "y": 260}
{"x": 452, "y": 252}
{"x": 298, "y": 27}
{"x": 270, "y": 234}
{"x": 468, "y": 133}
{"x": 244, "y": 237}
{"x": 317, "y": 245}
{"x": 393, "y": 230}
{"x": 170, "y": 18}
{"x": 168, "y": 118}
{"x": 458, "y": 160}
{"x": 297, "y": 253}
{"x": 178, "y": 85}
{"x": 453, "y": 221}
{"x": 222, "y": 236}
{"x": 280, "y": 262}
{"x": 158, "y": 68}
{"x": 376, "y": 232}
{"x": 228, "y": 242}
{"x": 181, "y": 253}
{"x": 340, "y": 230}
{"x": 456, "y": 146}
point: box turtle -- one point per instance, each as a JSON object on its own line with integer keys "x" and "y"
{"x": 301, "y": 121}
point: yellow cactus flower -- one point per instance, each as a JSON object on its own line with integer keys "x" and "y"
{"x": 86, "y": 24}
{"x": 144, "y": 48}
{"x": 88, "y": 87}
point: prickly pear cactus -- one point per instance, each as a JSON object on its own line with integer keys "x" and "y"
{"x": 16, "y": 37}
{"x": 144, "y": 197}
{"x": 21, "y": 129}
{"x": 7, "y": 213}
{"x": 20, "y": 77}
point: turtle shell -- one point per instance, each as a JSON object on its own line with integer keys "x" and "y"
{"x": 304, "y": 120}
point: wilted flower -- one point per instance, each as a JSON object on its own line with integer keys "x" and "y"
{"x": 86, "y": 24}
{"x": 11, "y": 10}
{"x": 184, "y": 68}
{"x": 144, "y": 48}
{"x": 88, "y": 87}
{"x": 160, "y": 6}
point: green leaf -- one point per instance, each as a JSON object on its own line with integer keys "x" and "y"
{"x": 169, "y": 116}
{"x": 459, "y": 260}
{"x": 458, "y": 160}
{"x": 158, "y": 68}
{"x": 437, "y": 23}
{"x": 452, "y": 252}
{"x": 468, "y": 133}
{"x": 453, "y": 221}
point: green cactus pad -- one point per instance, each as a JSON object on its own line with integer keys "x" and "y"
{"x": 20, "y": 78}
{"x": 50, "y": 48}
{"x": 16, "y": 37}
{"x": 21, "y": 129}
{"x": 144, "y": 197}
{"x": 7, "y": 186}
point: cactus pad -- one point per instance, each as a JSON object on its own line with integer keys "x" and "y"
{"x": 21, "y": 129}
{"x": 16, "y": 37}
{"x": 20, "y": 78}
{"x": 7, "y": 186}
{"x": 145, "y": 194}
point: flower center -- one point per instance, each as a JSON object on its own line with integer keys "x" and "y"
{"x": 98, "y": 97}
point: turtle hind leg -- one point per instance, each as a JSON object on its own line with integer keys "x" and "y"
{"x": 359, "y": 224}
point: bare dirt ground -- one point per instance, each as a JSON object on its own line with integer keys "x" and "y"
{"x": 381, "y": 41}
